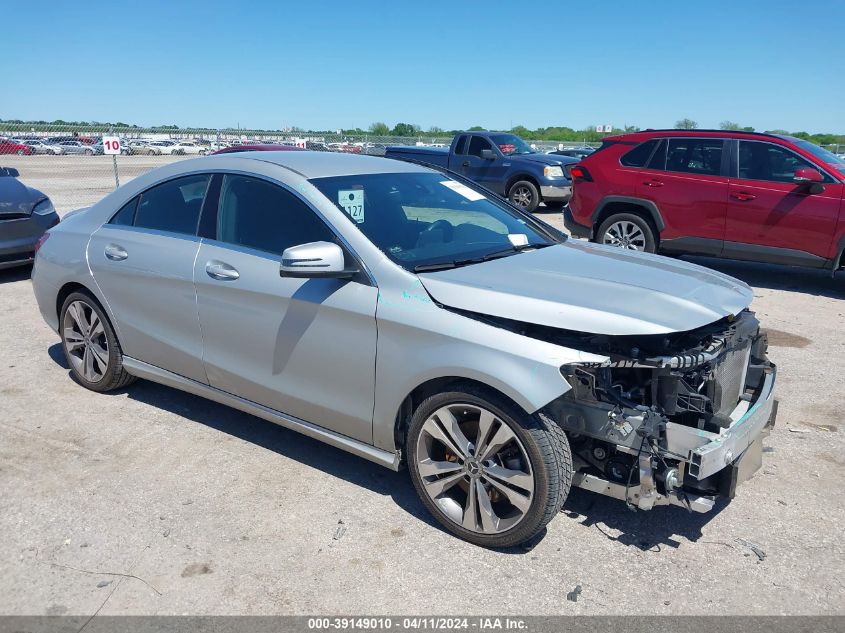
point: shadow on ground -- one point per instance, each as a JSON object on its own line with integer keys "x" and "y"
{"x": 644, "y": 530}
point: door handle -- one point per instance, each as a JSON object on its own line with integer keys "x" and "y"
{"x": 221, "y": 271}
{"x": 465, "y": 163}
{"x": 653, "y": 183}
{"x": 116, "y": 253}
{"x": 742, "y": 196}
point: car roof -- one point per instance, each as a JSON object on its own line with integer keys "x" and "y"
{"x": 643, "y": 135}
{"x": 326, "y": 164}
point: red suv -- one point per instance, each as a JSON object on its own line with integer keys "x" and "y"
{"x": 760, "y": 197}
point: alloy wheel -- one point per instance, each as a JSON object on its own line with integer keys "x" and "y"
{"x": 85, "y": 341}
{"x": 522, "y": 197}
{"x": 625, "y": 234}
{"x": 474, "y": 468}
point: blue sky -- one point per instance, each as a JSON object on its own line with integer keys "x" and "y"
{"x": 324, "y": 65}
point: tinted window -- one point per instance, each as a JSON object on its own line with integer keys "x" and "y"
{"x": 695, "y": 155}
{"x": 478, "y": 143}
{"x": 461, "y": 145}
{"x": 126, "y": 215}
{"x": 764, "y": 161}
{"x": 173, "y": 206}
{"x": 658, "y": 159}
{"x": 638, "y": 156}
{"x": 260, "y": 215}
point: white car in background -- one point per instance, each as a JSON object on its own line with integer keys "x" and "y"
{"x": 189, "y": 147}
{"x": 160, "y": 148}
{"x": 42, "y": 147}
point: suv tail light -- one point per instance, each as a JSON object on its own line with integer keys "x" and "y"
{"x": 580, "y": 172}
{"x": 41, "y": 241}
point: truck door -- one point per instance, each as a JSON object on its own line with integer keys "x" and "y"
{"x": 487, "y": 173}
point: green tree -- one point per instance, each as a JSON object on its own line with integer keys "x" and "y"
{"x": 476, "y": 128}
{"x": 436, "y": 130}
{"x": 379, "y": 129}
{"x": 405, "y": 129}
{"x": 730, "y": 126}
{"x": 686, "y": 124}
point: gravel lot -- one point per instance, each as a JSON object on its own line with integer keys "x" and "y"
{"x": 152, "y": 501}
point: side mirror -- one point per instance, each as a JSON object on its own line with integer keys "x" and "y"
{"x": 315, "y": 259}
{"x": 488, "y": 154}
{"x": 811, "y": 177}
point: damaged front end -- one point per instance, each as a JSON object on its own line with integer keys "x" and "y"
{"x": 673, "y": 418}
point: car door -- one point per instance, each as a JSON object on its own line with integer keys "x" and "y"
{"x": 143, "y": 261}
{"x": 684, "y": 179}
{"x": 305, "y": 347}
{"x": 767, "y": 209}
{"x": 485, "y": 172}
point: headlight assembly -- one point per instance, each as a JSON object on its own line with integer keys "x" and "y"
{"x": 45, "y": 207}
{"x": 553, "y": 171}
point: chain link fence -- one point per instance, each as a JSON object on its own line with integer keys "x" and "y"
{"x": 67, "y": 162}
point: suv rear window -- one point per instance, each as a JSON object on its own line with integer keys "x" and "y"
{"x": 638, "y": 156}
{"x": 695, "y": 155}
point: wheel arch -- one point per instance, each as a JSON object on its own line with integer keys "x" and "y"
{"x": 433, "y": 386}
{"x": 522, "y": 176}
{"x": 74, "y": 286}
{"x": 624, "y": 204}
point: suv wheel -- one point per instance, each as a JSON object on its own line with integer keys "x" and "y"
{"x": 90, "y": 345}
{"x": 524, "y": 194}
{"x": 627, "y": 230}
{"x": 489, "y": 473}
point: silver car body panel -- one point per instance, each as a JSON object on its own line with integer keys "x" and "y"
{"x": 345, "y": 382}
{"x": 586, "y": 288}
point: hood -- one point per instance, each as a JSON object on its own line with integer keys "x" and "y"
{"x": 16, "y": 198}
{"x": 545, "y": 159}
{"x": 592, "y": 288}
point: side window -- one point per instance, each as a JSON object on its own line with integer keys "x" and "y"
{"x": 461, "y": 145}
{"x": 173, "y": 206}
{"x": 126, "y": 215}
{"x": 695, "y": 155}
{"x": 764, "y": 161}
{"x": 658, "y": 158}
{"x": 476, "y": 144}
{"x": 260, "y": 215}
{"x": 638, "y": 156}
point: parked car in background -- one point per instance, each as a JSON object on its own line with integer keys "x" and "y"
{"x": 741, "y": 195}
{"x": 42, "y": 147}
{"x": 159, "y": 148}
{"x": 76, "y": 147}
{"x": 504, "y": 164}
{"x": 189, "y": 148}
{"x": 11, "y": 146}
{"x": 25, "y": 214}
{"x": 499, "y": 360}
{"x": 263, "y": 147}
{"x": 572, "y": 152}
{"x": 138, "y": 145}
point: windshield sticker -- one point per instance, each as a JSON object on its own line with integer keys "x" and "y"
{"x": 352, "y": 201}
{"x": 463, "y": 190}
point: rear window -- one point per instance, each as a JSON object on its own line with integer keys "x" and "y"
{"x": 695, "y": 155}
{"x": 173, "y": 206}
{"x": 639, "y": 156}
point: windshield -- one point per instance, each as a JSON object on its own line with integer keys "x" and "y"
{"x": 424, "y": 219}
{"x": 511, "y": 145}
{"x": 822, "y": 154}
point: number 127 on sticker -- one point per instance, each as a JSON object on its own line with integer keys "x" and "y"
{"x": 352, "y": 201}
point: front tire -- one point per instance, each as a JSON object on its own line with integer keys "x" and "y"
{"x": 524, "y": 195}
{"x": 488, "y": 472}
{"x": 90, "y": 345}
{"x": 629, "y": 231}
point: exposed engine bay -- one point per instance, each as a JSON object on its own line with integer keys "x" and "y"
{"x": 667, "y": 419}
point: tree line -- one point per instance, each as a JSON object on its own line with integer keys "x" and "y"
{"x": 411, "y": 130}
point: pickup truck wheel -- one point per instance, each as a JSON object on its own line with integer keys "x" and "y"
{"x": 488, "y": 472}
{"x": 627, "y": 230}
{"x": 524, "y": 194}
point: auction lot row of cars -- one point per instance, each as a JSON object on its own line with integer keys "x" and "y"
{"x": 540, "y": 362}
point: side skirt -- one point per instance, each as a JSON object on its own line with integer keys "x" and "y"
{"x": 164, "y": 377}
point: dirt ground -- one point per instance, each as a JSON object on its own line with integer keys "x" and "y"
{"x": 153, "y": 501}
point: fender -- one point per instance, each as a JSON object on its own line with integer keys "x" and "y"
{"x": 648, "y": 205}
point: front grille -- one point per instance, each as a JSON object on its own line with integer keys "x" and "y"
{"x": 730, "y": 379}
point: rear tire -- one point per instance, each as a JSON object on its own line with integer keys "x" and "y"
{"x": 91, "y": 348}
{"x": 524, "y": 195}
{"x": 627, "y": 230}
{"x": 518, "y": 465}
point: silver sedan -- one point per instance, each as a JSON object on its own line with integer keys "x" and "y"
{"x": 411, "y": 317}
